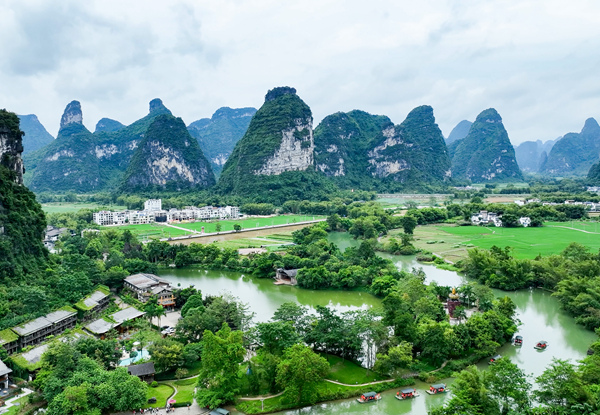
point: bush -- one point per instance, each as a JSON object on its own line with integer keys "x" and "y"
{"x": 154, "y": 384}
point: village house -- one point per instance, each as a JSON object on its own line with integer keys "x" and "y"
{"x": 145, "y": 286}
{"x": 525, "y": 221}
{"x": 286, "y": 276}
{"x": 485, "y": 218}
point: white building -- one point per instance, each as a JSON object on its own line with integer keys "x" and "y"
{"x": 152, "y": 205}
{"x": 525, "y": 221}
{"x": 104, "y": 217}
{"x": 485, "y": 218}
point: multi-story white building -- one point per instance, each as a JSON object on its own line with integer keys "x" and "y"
{"x": 153, "y": 205}
{"x": 104, "y": 217}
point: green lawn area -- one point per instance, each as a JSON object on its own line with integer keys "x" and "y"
{"x": 155, "y": 230}
{"x": 64, "y": 207}
{"x": 345, "y": 371}
{"x": 185, "y": 389}
{"x": 13, "y": 410}
{"x": 193, "y": 370}
{"x": 550, "y": 239}
{"x": 162, "y": 392}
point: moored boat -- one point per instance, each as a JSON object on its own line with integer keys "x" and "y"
{"x": 541, "y": 345}
{"x": 407, "y": 393}
{"x": 437, "y": 388}
{"x": 494, "y": 359}
{"x": 369, "y": 397}
{"x": 518, "y": 341}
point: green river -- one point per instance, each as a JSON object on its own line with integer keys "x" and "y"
{"x": 538, "y": 311}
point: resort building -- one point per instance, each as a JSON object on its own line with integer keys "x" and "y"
{"x": 103, "y": 325}
{"x": 144, "y": 371}
{"x": 9, "y": 340}
{"x": 153, "y": 205}
{"x": 4, "y": 372}
{"x": 35, "y": 331}
{"x": 286, "y": 276}
{"x": 145, "y": 286}
{"x": 95, "y": 302}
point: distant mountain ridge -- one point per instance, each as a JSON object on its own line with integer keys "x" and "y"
{"x": 219, "y": 134}
{"x": 532, "y": 154}
{"x": 574, "y": 153}
{"x": 486, "y": 153}
{"x": 459, "y": 132}
{"x": 36, "y": 136}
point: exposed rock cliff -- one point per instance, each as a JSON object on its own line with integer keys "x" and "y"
{"x": 574, "y": 153}
{"x": 279, "y": 139}
{"x": 218, "y": 135}
{"x": 36, "y": 135}
{"x": 412, "y": 154}
{"x": 11, "y": 145}
{"x": 486, "y": 153}
{"x": 168, "y": 157}
{"x": 72, "y": 114}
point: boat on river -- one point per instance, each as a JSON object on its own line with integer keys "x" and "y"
{"x": 438, "y": 388}
{"x": 518, "y": 341}
{"x": 541, "y": 345}
{"x": 407, "y": 393}
{"x": 494, "y": 359}
{"x": 369, "y": 397}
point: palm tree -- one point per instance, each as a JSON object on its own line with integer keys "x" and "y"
{"x": 466, "y": 291}
{"x": 153, "y": 309}
{"x": 460, "y": 313}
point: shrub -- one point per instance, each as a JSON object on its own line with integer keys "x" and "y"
{"x": 154, "y": 384}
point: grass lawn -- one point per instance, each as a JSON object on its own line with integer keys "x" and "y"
{"x": 227, "y": 225}
{"x": 64, "y": 207}
{"x": 193, "y": 370}
{"x": 162, "y": 392}
{"x": 452, "y": 242}
{"x": 345, "y": 371}
{"x": 13, "y": 410}
{"x": 185, "y": 389}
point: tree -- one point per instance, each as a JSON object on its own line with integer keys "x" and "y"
{"x": 398, "y": 357}
{"x": 299, "y": 372}
{"x": 194, "y": 301}
{"x": 218, "y": 381}
{"x": 409, "y": 223}
{"x": 153, "y": 309}
{"x": 166, "y": 354}
{"x": 470, "y": 396}
{"x": 277, "y": 336}
{"x": 560, "y": 385}
{"x": 237, "y": 227}
{"x": 508, "y": 385}
{"x": 218, "y": 227}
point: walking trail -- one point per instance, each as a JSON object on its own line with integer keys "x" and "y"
{"x": 573, "y": 229}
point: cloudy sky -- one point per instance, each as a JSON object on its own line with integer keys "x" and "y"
{"x": 536, "y": 62}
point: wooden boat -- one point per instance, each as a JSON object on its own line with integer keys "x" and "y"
{"x": 369, "y": 397}
{"x": 518, "y": 341}
{"x": 494, "y": 359}
{"x": 407, "y": 393}
{"x": 541, "y": 345}
{"x": 437, "y": 388}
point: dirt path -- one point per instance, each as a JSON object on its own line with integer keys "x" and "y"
{"x": 574, "y": 229}
{"x": 360, "y": 384}
{"x": 260, "y": 398}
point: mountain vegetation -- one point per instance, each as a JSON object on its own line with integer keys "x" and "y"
{"x": 36, "y": 135}
{"x": 106, "y": 124}
{"x": 574, "y": 153}
{"x": 219, "y": 134}
{"x": 486, "y": 153}
{"x": 459, "y": 132}
{"x": 168, "y": 157}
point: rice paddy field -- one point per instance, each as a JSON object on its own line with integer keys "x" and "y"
{"x": 156, "y": 230}
{"x": 452, "y": 242}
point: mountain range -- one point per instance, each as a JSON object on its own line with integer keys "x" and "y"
{"x": 275, "y": 148}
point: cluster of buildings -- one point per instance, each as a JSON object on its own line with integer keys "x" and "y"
{"x": 153, "y": 212}
{"x": 490, "y": 218}
{"x": 591, "y": 206}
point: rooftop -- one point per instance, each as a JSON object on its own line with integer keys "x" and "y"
{"x": 32, "y": 326}
{"x": 143, "y": 281}
{"x": 4, "y": 370}
{"x": 144, "y": 369}
{"x": 94, "y": 298}
{"x": 100, "y": 326}
{"x": 126, "y": 314}
{"x": 61, "y": 314}
{"x": 8, "y": 336}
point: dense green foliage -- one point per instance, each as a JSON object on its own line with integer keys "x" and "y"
{"x": 342, "y": 143}
{"x": 182, "y": 164}
{"x": 574, "y": 275}
{"x": 594, "y": 174}
{"x": 574, "y": 153}
{"x": 108, "y": 125}
{"x": 36, "y": 135}
{"x": 218, "y": 135}
{"x": 486, "y": 153}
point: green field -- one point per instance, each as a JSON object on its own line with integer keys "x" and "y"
{"x": 60, "y": 207}
{"x": 452, "y": 242}
{"x": 162, "y": 392}
{"x": 156, "y": 230}
{"x": 345, "y": 371}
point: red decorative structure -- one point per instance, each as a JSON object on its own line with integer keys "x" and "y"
{"x": 453, "y": 302}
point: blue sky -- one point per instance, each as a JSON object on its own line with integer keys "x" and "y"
{"x": 536, "y": 62}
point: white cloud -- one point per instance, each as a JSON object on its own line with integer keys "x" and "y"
{"x": 534, "y": 61}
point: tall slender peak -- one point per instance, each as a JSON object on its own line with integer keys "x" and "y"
{"x": 591, "y": 125}
{"x": 72, "y": 114}
{"x": 489, "y": 115}
{"x": 279, "y": 91}
{"x": 11, "y": 144}
{"x": 156, "y": 105}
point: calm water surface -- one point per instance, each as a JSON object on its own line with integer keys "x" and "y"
{"x": 540, "y": 315}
